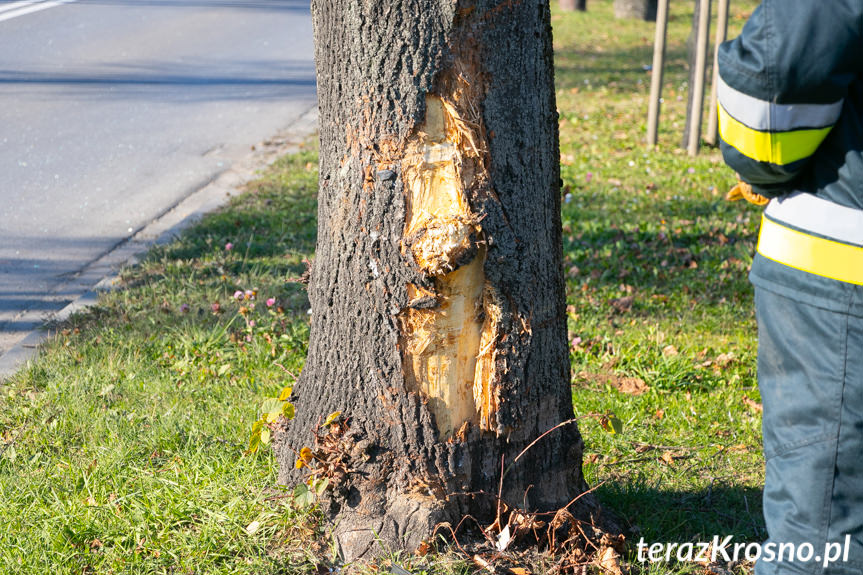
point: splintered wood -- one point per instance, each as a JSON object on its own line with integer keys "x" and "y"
{"x": 448, "y": 332}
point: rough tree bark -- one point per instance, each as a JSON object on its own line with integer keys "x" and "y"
{"x": 437, "y": 293}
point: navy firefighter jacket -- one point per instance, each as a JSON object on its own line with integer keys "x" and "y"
{"x": 791, "y": 124}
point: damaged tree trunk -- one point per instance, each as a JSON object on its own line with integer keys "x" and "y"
{"x": 437, "y": 293}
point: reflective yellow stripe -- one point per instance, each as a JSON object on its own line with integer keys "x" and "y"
{"x": 812, "y": 254}
{"x": 779, "y": 148}
{"x": 766, "y": 116}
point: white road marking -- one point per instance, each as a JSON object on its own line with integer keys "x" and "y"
{"x": 16, "y": 5}
{"x": 16, "y": 9}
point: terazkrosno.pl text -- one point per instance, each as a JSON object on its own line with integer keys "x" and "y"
{"x": 724, "y": 549}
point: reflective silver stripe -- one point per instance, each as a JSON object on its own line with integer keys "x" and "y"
{"x": 770, "y": 117}
{"x": 813, "y": 214}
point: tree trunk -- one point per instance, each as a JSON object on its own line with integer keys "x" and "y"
{"x": 571, "y": 5}
{"x": 437, "y": 293}
{"x": 638, "y": 9}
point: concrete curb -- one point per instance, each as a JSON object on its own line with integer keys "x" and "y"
{"x": 100, "y": 275}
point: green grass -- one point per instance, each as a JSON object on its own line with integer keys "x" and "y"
{"x": 652, "y": 225}
{"x": 123, "y": 446}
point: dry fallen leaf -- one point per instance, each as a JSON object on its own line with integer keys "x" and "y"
{"x": 630, "y": 385}
{"x": 669, "y": 351}
{"x": 609, "y": 560}
{"x": 623, "y": 384}
{"x": 305, "y": 458}
{"x": 622, "y": 304}
{"x": 752, "y": 404}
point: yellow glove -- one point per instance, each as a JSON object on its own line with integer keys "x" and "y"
{"x": 743, "y": 191}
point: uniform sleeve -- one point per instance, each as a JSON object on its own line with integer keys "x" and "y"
{"x": 781, "y": 86}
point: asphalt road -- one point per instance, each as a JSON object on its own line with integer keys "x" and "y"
{"x": 111, "y": 111}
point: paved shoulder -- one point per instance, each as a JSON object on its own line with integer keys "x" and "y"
{"x": 114, "y": 112}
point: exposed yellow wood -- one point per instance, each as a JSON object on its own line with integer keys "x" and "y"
{"x": 438, "y": 214}
{"x": 483, "y": 394}
{"x": 448, "y": 331}
{"x": 442, "y": 345}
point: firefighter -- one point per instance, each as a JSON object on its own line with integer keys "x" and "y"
{"x": 791, "y": 125}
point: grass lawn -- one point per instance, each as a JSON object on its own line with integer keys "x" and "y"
{"x": 657, "y": 266}
{"x": 122, "y": 449}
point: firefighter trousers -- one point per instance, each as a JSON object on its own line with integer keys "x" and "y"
{"x": 810, "y": 373}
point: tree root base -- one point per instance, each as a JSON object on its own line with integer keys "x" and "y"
{"x": 401, "y": 522}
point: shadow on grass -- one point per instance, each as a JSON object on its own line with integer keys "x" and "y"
{"x": 690, "y": 263}
{"x": 575, "y": 66}
{"x": 661, "y": 515}
{"x": 702, "y": 251}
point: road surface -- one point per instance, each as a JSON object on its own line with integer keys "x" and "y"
{"x": 112, "y": 111}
